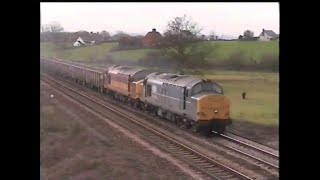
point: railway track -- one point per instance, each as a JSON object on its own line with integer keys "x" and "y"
{"x": 262, "y": 165}
{"x": 266, "y": 150}
{"x": 199, "y": 161}
{"x": 260, "y": 156}
{"x": 269, "y": 150}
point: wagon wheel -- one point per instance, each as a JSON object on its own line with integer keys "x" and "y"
{"x": 197, "y": 128}
{"x": 155, "y": 111}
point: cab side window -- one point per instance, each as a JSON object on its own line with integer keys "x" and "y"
{"x": 148, "y": 90}
{"x": 109, "y": 79}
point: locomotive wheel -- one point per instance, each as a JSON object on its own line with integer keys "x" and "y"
{"x": 197, "y": 128}
{"x": 206, "y": 131}
{"x": 188, "y": 125}
{"x": 155, "y": 111}
{"x": 136, "y": 104}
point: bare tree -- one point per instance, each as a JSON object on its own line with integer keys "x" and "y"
{"x": 45, "y": 28}
{"x": 181, "y": 43}
{"x": 56, "y": 27}
{"x": 248, "y": 34}
{"x": 105, "y": 35}
{"x": 52, "y": 32}
{"x": 52, "y": 27}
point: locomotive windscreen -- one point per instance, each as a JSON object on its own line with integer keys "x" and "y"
{"x": 206, "y": 87}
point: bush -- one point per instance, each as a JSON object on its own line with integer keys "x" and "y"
{"x": 236, "y": 61}
{"x": 115, "y": 48}
{"x": 269, "y": 62}
{"x": 157, "y": 59}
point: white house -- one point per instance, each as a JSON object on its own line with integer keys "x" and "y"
{"x": 77, "y": 44}
{"x": 81, "y": 42}
{"x": 267, "y": 35}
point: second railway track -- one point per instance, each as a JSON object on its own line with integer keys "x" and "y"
{"x": 199, "y": 161}
{"x": 250, "y": 146}
{"x": 262, "y": 155}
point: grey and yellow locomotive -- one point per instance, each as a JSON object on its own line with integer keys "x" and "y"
{"x": 188, "y": 100}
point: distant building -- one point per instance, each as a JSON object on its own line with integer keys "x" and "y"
{"x": 213, "y": 37}
{"x": 152, "y": 39}
{"x": 226, "y": 38}
{"x": 241, "y": 38}
{"x": 203, "y": 37}
{"x": 117, "y": 37}
{"x": 77, "y": 44}
{"x": 267, "y": 35}
{"x": 81, "y": 42}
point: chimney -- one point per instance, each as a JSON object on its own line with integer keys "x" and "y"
{"x": 262, "y": 30}
{"x": 153, "y": 30}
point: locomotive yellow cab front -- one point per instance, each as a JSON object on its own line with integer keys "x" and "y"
{"x": 211, "y": 107}
{"x": 213, "y": 112}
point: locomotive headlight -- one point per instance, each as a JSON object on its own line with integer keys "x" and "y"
{"x": 215, "y": 111}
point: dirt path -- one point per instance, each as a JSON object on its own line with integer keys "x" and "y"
{"x": 73, "y": 149}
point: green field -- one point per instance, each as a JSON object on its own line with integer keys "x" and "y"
{"x": 86, "y": 54}
{"x": 262, "y": 103}
{"x": 76, "y": 53}
{"x": 252, "y": 51}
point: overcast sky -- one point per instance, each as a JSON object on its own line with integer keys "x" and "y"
{"x": 223, "y": 18}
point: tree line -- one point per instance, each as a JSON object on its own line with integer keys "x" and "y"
{"x": 182, "y": 45}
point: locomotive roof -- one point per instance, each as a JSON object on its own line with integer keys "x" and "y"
{"x": 202, "y": 94}
{"x": 174, "y": 79}
{"x": 125, "y": 70}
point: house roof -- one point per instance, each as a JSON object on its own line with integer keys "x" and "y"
{"x": 270, "y": 33}
{"x": 86, "y": 36}
{"x": 153, "y": 33}
{"x": 85, "y": 41}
